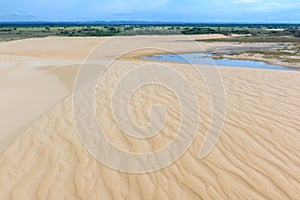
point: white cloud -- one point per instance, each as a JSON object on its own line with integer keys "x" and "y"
{"x": 30, "y": 14}
{"x": 24, "y": 15}
{"x": 17, "y": 14}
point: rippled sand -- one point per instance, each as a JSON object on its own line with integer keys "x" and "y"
{"x": 257, "y": 156}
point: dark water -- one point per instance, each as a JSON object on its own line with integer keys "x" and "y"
{"x": 199, "y": 58}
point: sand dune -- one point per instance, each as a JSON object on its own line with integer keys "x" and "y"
{"x": 257, "y": 156}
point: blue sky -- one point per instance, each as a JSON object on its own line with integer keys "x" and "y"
{"x": 152, "y": 10}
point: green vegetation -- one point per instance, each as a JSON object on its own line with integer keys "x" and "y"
{"x": 289, "y": 53}
{"x": 23, "y": 32}
{"x": 285, "y": 53}
{"x": 16, "y": 31}
{"x": 257, "y": 39}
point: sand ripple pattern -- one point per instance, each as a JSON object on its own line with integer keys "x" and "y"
{"x": 257, "y": 156}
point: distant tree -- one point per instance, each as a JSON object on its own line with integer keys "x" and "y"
{"x": 227, "y": 33}
{"x": 294, "y": 31}
{"x": 297, "y": 33}
{"x": 253, "y": 33}
{"x": 112, "y": 29}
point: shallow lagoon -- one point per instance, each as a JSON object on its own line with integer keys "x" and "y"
{"x": 201, "y": 58}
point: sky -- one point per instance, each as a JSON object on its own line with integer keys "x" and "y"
{"x": 219, "y": 11}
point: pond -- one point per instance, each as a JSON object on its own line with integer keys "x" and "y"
{"x": 201, "y": 58}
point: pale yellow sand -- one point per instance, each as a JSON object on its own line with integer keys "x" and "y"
{"x": 257, "y": 156}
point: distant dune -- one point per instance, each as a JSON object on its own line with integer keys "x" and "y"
{"x": 257, "y": 156}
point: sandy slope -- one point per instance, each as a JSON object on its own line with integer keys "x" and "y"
{"x": 257, "y": 156}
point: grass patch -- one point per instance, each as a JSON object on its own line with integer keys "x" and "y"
{"x": 291, "y": 60}
{"x": 261, "y": 39}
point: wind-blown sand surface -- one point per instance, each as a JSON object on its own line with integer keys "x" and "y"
{"x": 257, "y": 156}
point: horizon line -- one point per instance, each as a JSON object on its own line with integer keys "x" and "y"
{"x": 129, "y": 22}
